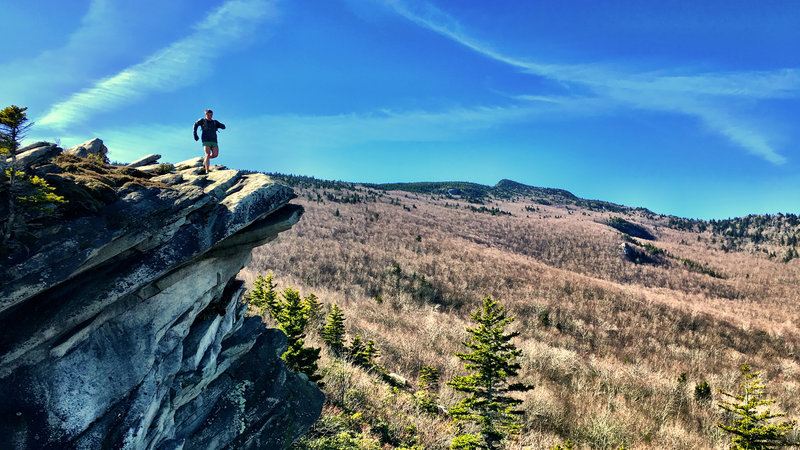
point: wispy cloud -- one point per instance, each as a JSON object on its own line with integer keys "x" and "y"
{"x": 99, "y": 36}
{"x": 313, "y": 134}
{"x": 180, "y": 64}
{"x": 706, "y": 96}
{"x": 431, "y": 17}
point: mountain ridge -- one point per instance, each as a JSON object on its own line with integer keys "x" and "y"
{"x": 622, "y": 313}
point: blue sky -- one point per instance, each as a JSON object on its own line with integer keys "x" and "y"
{"x": 684, "y": 107}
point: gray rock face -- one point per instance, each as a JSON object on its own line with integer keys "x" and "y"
{"x": 36, "y": 153}
{"x": 154, "y": 168}
{"x": 127, "y": 330}
{"x": 145, "y": 161}
{"x": 91, "y": 147}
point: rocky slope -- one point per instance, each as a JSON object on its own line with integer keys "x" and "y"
{"x": 122, "y": 321}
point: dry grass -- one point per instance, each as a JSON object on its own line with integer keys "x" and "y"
{"x": 606, "y": 368}
{"x": 89, "y": 184}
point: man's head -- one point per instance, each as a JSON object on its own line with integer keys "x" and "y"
{"x": 209, "y": 113}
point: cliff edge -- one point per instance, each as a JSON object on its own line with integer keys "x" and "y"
{"x": 122, "y": 319}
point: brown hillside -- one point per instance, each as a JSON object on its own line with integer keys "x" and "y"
{"x": 608, "y": 322}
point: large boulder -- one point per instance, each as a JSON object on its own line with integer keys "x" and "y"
{"x": 35, "y": 154}
{"x": 145, "y": 161}
{"x": 91, "y": 147}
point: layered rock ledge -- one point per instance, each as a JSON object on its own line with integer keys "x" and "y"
{"x": 123, "y": 325}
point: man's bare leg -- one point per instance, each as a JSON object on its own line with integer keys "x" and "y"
{"x": 206, "y": 159}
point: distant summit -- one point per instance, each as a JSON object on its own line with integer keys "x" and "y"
{"x": 507, "y": 190}
{"x": 519, "y": 189}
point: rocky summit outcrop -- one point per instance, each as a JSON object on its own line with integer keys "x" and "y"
{"x": 121, "y": 316}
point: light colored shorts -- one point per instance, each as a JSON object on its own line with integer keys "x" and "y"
{"x": 210, "y": 144}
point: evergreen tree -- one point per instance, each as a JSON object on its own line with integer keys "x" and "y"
{"x": 429, "y": 378}
{"x": 467, "y": 442}
{"x": 292, "y": 314}
{"x": 702, "y": 392}
{"x": 492, "y": 361}
{"x": 31, "y": 191}
{"x": 363, "y": 354}
{"x": 302, "y": 359}
{"x": 752, "y": 430}
{"x": 372, "y": 351}
{"x": 358, "y": 352}
{"x": 263, "y": 296}
{"x": 426, "y": 396}
{"x": 314, "y": 306}
{"x": 333, "y": 331}
{"x": 293, "y": 318}
{"x": 12, "y": 130}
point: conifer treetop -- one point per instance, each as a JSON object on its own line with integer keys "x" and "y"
{"x": 333, "y": 331}
{"x": 752, "y": 430}
{"x": 492, "y": 361}
{"x": 13, "y": 127}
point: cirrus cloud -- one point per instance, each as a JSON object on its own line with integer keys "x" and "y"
{"x": 711, "y": 97}
{"x": 182, "y": 63}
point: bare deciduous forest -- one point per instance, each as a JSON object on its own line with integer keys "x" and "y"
{"x": 617, "y": 331}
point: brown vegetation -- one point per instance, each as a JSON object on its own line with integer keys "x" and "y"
{"x": 89, "y": 184}
{"x": 606, "y": 341}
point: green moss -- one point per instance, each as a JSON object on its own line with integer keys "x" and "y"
{"x": 163, "y": 169}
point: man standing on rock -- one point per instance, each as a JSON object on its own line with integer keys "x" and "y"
{"x": 210, "y": 145}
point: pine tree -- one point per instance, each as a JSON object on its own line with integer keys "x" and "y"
{"x": 426, "y": 396}
{"x": 371, "y": 351}
{"x": 263, "y": 296}
{"x": 752, "y": 430}
{"x": 314, "y": 306}
{"x": 12, "y": 130}
{"x": 302, "y": 359}
{"x": 467, "y": 442}
{"x": 333, "y": 331}
{"x": 702, "y": 392}
{"x": 356, "y": 351}
{"x": 429, "y": 378}
{"x": 362, "y": 354}
{"x": 293, "y": 316}
{"x": 492, "y": 361}
{"x": 31, "y": 191}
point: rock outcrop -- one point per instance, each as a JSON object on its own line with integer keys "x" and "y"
{"x": 91, "y": 147}
{"x": 123, "y": 325}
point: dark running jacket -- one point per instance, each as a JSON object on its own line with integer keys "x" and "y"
{"x": 209, "y": 129}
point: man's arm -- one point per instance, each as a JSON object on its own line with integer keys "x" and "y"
{"x": 194, "y": 130}
{"x": 220, "y": 125}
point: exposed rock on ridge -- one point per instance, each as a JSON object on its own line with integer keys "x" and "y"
{"x": 125, "y": 329}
